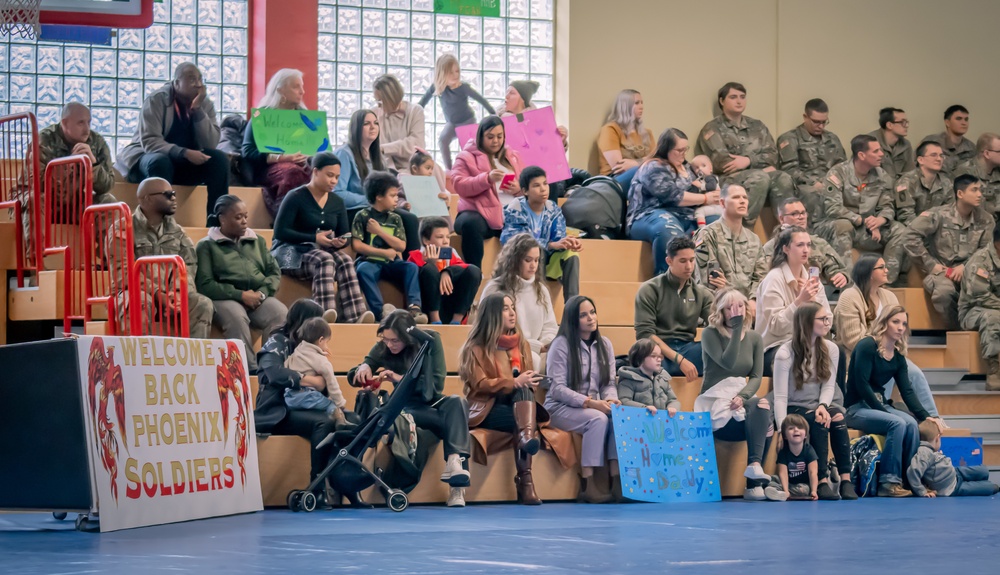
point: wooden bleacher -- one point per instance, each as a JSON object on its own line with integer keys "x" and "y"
{"x": 192, "y": 203}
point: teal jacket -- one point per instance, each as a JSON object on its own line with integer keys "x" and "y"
{"x": 226, "y": 268}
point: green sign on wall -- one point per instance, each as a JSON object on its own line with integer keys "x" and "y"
{"x": 490, "y": 8}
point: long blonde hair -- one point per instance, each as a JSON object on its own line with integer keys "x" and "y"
{"x": 390, "y": 90}
{"x": 508, "y": 269}
{"x": 442, "y": 68}
{"x": 485, "y": 332}
{"x": 881, "y": 325}
{"x": 623, "y": 115}
{"x": 724, "y": 298}
{"x": 271, "y": 97}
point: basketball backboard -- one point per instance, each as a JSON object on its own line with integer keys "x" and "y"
{"x": 105, "y": 13}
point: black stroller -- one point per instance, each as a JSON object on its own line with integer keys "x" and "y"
{"x": 346, "y": 473}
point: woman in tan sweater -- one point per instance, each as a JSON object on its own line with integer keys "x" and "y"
{"x": 857, "y": 309}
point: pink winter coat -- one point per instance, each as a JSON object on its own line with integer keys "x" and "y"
{"x": 471, "y": 180}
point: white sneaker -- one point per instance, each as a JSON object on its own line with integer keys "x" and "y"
{"x": 775, "y": 494}
{"x": 454, "y": 474}
{"x": 755, "y": 471}
{"x": 456, "y": 497}
{"x": 754, "y": 494}
{"x": 330, "y": 316}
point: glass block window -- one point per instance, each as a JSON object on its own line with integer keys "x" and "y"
{"x": 359, "y": 40}
{"x": 114, "y": 80}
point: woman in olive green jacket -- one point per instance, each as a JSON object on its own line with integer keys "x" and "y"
{"x": 238, "y": 273}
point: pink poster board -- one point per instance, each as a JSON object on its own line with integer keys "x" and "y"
{"x": 535, "y": 137}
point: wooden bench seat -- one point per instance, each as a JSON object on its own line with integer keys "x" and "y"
{"x": 192, "y": 203}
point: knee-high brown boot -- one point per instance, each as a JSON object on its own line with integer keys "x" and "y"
{"x": 525, "y": 486}
{"x": 527, "y": 430}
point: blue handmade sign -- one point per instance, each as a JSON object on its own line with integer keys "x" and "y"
{"x": 666, "y": 459}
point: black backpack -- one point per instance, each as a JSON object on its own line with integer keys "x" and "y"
{"x": 596, "y": 208}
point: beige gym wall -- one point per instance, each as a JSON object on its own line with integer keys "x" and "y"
{"x": 858, "y": 55}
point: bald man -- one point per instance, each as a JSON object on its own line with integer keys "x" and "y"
{"x": 177, "y": 138}
{"x": 73, "y": 136}
{"x": 157, "y": 234}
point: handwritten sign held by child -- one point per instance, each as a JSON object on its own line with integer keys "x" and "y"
{"x": 664, "y": 459}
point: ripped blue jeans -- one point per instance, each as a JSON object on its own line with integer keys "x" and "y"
{"x": 658, "y": 227}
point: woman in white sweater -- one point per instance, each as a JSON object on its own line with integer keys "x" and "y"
{"x": 805, "y": 383}
{"x": 520, "y": 274}
{"x": 787, "y": 286}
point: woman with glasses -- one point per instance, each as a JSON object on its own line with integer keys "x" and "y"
{"x": 446, "y": 416}
{"x": 790, "y": 284}
{"x": 857, "y": 309}
{"x": 664, "y": 195}
{"x": 804, "y": 383}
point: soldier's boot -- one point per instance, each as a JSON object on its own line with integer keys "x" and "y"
{"x": 992, "y": 374}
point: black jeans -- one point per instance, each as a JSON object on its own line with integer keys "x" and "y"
{"x": 314, "y": 426}
{"x": 214, "y": 173}
{"x": 822, "y": 439}
{"x": 753, "y": 430}
{"x": 501, "y": 417}
{"x": 471, "y": 225}
{"x": 448, "y": 419}
{"x": 465, "y": 282}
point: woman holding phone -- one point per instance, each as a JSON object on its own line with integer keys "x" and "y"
{"x": 485, "y": 177}
{"x": 310, "y": 233}
{"x": 788, "y": 285}
{"x": 500, "y": 381}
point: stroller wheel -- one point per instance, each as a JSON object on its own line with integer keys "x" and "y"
{"x": 59, "y": 515}
{"x": 308, "y": 502}
{"x": 397, "y": 500}
{"x": 293, "y": 500}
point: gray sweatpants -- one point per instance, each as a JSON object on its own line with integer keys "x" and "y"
{"x": 598, "y": 435}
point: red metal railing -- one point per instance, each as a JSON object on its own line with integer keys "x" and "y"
{"x": 15, "y": 207}
{"x": 158, "y": 297}
{"x": 19, "y": 181}
{"x": 107, "y": 263}
{"x": 68, "y": 192}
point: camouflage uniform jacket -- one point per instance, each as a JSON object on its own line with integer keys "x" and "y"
{"x": 913, "y": 197}
{"x": 980, "y": 282}
{"x": 751, "y": 138}
{"x": 52, "y": 145}
{"x": 991, "y": 182}
{"x": 940, "y": 236}
{"x": 898, "y": 159}
{"x": 806, "y": 158}
{"x": 953, "y": 156}
{"x": 740, "y": 257}
{"x": 166, "y": 239}
{"x": 849, "y": 198}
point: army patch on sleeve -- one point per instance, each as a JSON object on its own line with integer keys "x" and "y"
{"x": 708, "y": 134}
{"x": 783, "y": 144}
{"x": 924, "y": 214}
{"x": 833, "y": 178}
{"x": 901, "y": 188}
{"x": 983, "y": 273}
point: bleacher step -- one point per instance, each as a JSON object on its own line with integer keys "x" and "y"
{"x": 968, "y": 403}
{"x": 944, "y": 377}
{"x": 985, "y": 426}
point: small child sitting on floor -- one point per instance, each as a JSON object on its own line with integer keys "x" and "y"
{"x": 931, "y": 473}
{"x": 310, "y": 358}
{"x": 703, "y": 169}
{"x": 798, "y": 465}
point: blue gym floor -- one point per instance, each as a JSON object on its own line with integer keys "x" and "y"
{"x": 878, "y": 536}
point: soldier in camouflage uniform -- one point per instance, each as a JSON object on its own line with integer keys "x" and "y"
{"x": 858, "y": 208}
{"x": 941, "y": 239}
{"x": 891, "y": 136}
{"x": 957, "y": 148}
{"x": 731, "y": 249}
{"x": 979, "y": 305}
{"x": 792, "y": 214}
{"x": 986, "y": 167}
{"x": 742, "y": 151}
{"x": 923, "y": 188}
{"x": 808, "y": 152}
{"x": 155, "y": 234}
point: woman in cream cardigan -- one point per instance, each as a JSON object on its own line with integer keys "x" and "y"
{"x": 857, "y": 309}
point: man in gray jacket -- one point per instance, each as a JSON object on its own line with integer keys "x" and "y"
{"x": 177, "y": 138}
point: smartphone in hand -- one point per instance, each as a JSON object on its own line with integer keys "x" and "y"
{"x": 445, "y": 253}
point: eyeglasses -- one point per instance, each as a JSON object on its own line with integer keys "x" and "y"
{"x": 818, "y": 123}
{"x": 169, "y": 194}
{"x": 881, "y": 267}
{"x": 681, "y": 150}
{"x": 826, "y": 320}
{"x": 903, "y": 123}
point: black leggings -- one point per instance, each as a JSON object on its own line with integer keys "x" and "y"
{"x": 314, "y": 426}
{"x": 472, "y": 226}
{"x": 501, "y": 417}
{"x": 822, "y": 439}
{"x": 754, "y": 430}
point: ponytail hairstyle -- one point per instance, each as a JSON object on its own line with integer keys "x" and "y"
{"x": 784, "y": 240}
{"x": 807, "y": 348}
{"x": 222, "y": 205}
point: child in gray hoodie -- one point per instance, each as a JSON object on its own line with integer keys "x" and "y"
{"x": 311, "y": 358}
{"x": 931, "y": 473}
{"x": 644, "y": 382}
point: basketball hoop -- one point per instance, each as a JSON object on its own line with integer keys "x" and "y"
{"x": 20, "y": 17}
